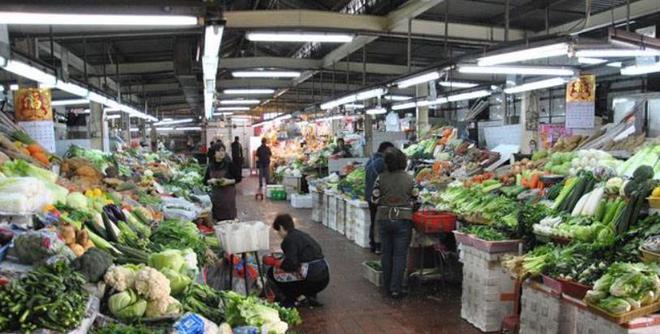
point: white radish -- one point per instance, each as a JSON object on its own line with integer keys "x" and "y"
{"x": 593, "y": 201}
{"x": 580, "y": 204}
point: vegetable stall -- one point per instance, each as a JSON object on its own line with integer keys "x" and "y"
{"x": 114, "y": 243}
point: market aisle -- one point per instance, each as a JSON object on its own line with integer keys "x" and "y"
{"x": 352, "y": 304}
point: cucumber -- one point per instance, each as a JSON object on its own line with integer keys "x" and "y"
{"x": 600, "y": 210}
{"x": 99, "y": 230}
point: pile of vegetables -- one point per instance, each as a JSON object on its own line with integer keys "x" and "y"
{"x": 252, "y": 311}
{"x": 626, "y": 287}
{"x": 204, "y": 300}
{"x": 354, "y": 182}
{"x": 51, "y": 297}
{"x": 176, "y": 234}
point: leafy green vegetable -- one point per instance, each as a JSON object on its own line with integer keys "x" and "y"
{"x": 178, "y": 281}
{"x": 253, "y": 311}
{"x": 20, "y": 167}
{"x": 127, "y": 305}
{"x": 127, "y": 329}
{"x": 485, "y": 232}
{"x": 178, "y": 234}
{"x": 170, "y": 259}
{"x": 204, "y": 300}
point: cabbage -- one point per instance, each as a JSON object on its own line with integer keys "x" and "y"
{"x": 127, "y": 305}
{"x": 615, "y": 305}
{"x": 59, "y": 193}
{"x": 20, "y": 167}
{"x": 628, "y": 284}
{"x": 178, "y": 281}
{"x": 170, "y": 258}
{"x": 76, "y": 200}
{"x": 594, "y": 296}
{"x": 604, "y": 283}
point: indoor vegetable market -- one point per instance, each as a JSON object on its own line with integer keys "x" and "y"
{"x": 348, "y": 166}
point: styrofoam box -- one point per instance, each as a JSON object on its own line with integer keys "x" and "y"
{"x": 326, "y": 206}
{"x": 341, "y": 215}
{"x": 332, "y": 212}
{"x": 299, "y": 201}
{"x": 317, "y": 205}
{"x": 243, "y": 237}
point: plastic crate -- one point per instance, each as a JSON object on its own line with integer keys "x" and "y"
{"x": 372, "y": 275}
{"x": 243, "y": 237}
{"x": 278, "y": 195}
{"x": 270, "y": 188}
{"x": 431, "y": 221}
{"x": 299, "y": 201}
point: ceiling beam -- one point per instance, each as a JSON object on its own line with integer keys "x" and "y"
{"x": 394, "y": 24}
{"x": 607, "y": 18}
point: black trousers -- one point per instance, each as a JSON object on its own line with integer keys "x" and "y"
{"x": 290, "y": 291}
{"x": 372, "y": 227}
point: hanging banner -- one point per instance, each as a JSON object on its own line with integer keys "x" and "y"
{"x": 33, "y": 104}
{"x": 581, "y": 102}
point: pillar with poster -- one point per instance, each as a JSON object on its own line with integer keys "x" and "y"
{"x": 34, "y": 113}
{"x": 581, "y": 102}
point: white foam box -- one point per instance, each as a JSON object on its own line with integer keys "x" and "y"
{"x": 332, "y": 212}
{"x": 301, "y": 201}
{"x": 326, "y": 206}
{"x": 350, "y": 221}
{"x": 540, "y": 310}
{"x": 317, "y": 205}
{"x": 341, "y": 214}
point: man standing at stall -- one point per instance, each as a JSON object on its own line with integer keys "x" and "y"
{"x": 374, "y": 167}
{"x": 263, "y": 162}
{"x": 237, "y": 157}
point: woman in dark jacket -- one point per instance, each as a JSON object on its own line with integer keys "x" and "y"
{"x": 303, "y": 271}
{"x": 221, "y": 177}
{"x": 395, "y": 194}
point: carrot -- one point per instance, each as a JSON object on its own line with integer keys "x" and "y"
{"x": 34, "y": 149}
{"x": 41, "y": 157}
{"x": 534, "y": 181}
{"x": 541, "y": 185}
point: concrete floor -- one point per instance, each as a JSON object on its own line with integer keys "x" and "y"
{"x": 351, "y": 303}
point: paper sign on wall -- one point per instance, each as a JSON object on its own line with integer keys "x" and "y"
{"x": 581, "y": 102}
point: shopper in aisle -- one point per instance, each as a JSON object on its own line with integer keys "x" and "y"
{"x": 237, "y": 157}
{"x": 374, "y": 167}
{"x": 342, "y": 151}
{"x": 395, "y": 195}
{"x": 303, "y": 271}
{"x": 263, "y": 162}
{"x": 220, "y": 175}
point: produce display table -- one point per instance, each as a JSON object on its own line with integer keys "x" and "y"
{"x": 484, "y": 280}
{"x": 317, "y": 205}
{"x": 341, "y": 214}
{"x": 546, "y": 311}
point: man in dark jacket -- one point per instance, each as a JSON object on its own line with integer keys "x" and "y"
{"x": 237, "y": 157}
{"x": 263, "y": 162}
{"x": 374, "y": 167}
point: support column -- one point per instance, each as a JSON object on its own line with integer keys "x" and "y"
{"x": 368, "y": 135}
{"x": 95, "y": 125}
{"x": 423, "y": 125}
{"x": 529, "y": 120}
{"x": 126, "y": 127}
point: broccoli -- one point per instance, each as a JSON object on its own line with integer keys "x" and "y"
{"x": 93, "y": 264}
{"x": 643, "y": 173}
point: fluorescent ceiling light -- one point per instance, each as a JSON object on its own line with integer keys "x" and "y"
{"x": 468, "y": 96}
{"x": 640, "y": 69}
{"x": 376, "y": 111}
{"x": 2, "y": 88}
{"x": 265, "y": 74}
{"x": 397, "y": 97}
{"x": 95, "y": 19}
{"x": 172, "y": 122}
{"x": 370, "y": 94}
{"x": 418, "y": 80}
{"x": 248, "y": 91}
{"x": 354, "y": 106}
{"x": 617, "y": 53}
{"x": 546, "y": 51}
{"x": 521, "y": 70}
{"x": 234, "y": 102}
{"x": 617, "y": 64}
{"x": 456, "y": 84}
{"x": 71, "y": 88}
{"x": 112, "y": 117}
{"x": 112, "y": 109}
{"x": 13, "y": 87}
{"x": 135, "y": 129}
{"x": 30, "y": 72}
{"x": 98, "y": 98}
{"x": 591, "y": 61}
{"x": 535, "y": 85}
{"x": 164, "y": 129}
{"x": 227, "y": 113}
{"x": 283, "y": 117}
{"x": 72, "y": 102}
{"x": 190, "y": 128}
{"x": 402, "y": 106}
{"x": 232, "y": 109}
{"x": 299, "y": 37}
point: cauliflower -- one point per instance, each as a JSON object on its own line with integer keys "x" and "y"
{"x": 120, "y": 277}
{"x": 163, "y": 307}
{"x": 152, "y": 284}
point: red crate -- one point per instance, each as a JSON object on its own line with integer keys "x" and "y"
{"x": 431, "y": 221}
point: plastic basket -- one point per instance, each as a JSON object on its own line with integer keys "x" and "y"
{"x": 654, "y": 202}
{"x": 243, "y": 237}
{"x": 431, "y": 221}
{"x": 648, "y": 256}
{"x": 278, "y": 195}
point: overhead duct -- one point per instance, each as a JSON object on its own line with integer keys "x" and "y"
{"x": 183, "y": 70}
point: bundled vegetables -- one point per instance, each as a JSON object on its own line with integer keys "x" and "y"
{"x": 252, "y": 311}
{"x": 625, "y": 287}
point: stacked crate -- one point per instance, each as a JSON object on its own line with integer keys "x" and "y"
{"x": 484, "y": 280}
{"x": 361, "y": 222}
{"x": 341, "y": 214}
{"x": 349, "y": 227}
{"x": 332, "y": 212}
{"x": 317, "y": 205}
{"x": 326, "y": 207}
{"x": 541, "y": 311}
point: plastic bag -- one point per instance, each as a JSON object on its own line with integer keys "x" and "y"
{"x": 37, "y": 246}
{"x": 192, "y": 323}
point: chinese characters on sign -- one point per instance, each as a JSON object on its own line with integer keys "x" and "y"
{"x": 581, "y": 102}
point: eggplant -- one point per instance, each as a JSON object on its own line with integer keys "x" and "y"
{"x": 119, "y": 214}
{"x": 107, "y": 210}
{"x": 5, "y": 236}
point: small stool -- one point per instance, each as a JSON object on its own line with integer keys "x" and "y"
{"x": 259, "y": 196}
